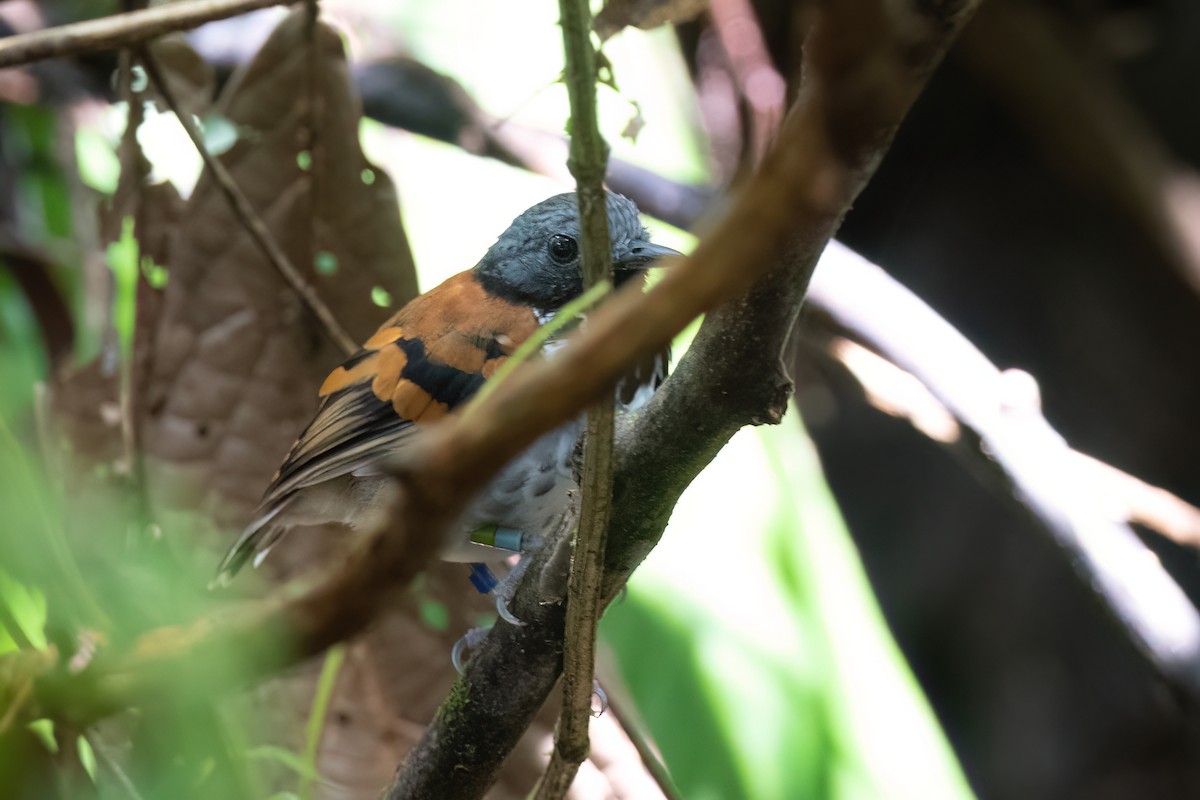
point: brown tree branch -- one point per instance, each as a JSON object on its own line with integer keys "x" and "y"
{"x": 863, "y": 75}
{"x": 245, "y": 213}
{"x": 122, "y": 30}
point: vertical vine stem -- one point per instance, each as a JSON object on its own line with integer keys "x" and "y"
{"x": 132, "y": 177}
{"x": 587, "y": 161}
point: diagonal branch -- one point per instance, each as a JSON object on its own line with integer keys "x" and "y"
{"x": 863, "y": 74}
{"x": 122, "y": 30}
{"x": 1048, "y": 477}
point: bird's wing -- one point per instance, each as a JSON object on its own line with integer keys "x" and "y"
{"x": 429, "y": 358}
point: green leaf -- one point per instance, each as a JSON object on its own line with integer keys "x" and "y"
{"x": 26, "y": 607}
{"x": 43, "y": 729}
{"x": 434, "y": 614}
{"x": 87, "y": 757}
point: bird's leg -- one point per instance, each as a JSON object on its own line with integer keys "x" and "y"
{"x": 469, "y": 640}
{"x": 485, "y": 582}
{"x": 505, "y": 590}
{"x": 554, "y": 571}
{"x": 602, "y": 696}
{"x": 482, "y": 578}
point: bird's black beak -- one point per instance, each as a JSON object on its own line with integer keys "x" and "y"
{"x": 640, "y": 255}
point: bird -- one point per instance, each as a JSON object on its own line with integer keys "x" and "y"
{"x": 431, "y": 357}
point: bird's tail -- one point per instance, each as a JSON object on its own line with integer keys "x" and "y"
{"x": 254, "y": 543}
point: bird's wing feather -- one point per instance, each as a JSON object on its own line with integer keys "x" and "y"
{"x": 429, "y": 358}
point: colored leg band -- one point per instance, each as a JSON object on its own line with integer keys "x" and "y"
{"x": 495, "y": 536}
{"x": 482, "y": 578}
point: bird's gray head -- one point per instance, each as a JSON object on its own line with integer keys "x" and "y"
{"x": 536, "y": 262}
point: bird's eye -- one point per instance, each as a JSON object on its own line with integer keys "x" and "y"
{"x": 563, "y": 248}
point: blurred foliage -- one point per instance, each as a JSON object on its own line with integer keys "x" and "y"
{"x": 24, "y": 615}
{"x": 78, "y": 568}
{"x": 37, "y": 183}
{"x": 31, "y": 135}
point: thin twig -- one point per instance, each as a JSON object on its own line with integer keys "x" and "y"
{"x": 313, "y": 113}
{"x": 655, "y": 768}
{"x": 122, "y": 30}
{"x": 250, "y": 220}
{"x": 1145, "y": 504}
{"x": 586, "y": 161}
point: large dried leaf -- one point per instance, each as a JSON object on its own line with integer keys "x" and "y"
{"x": 237, "y": 357}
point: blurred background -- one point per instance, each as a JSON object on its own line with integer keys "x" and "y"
{"x": 843, "y": 606}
